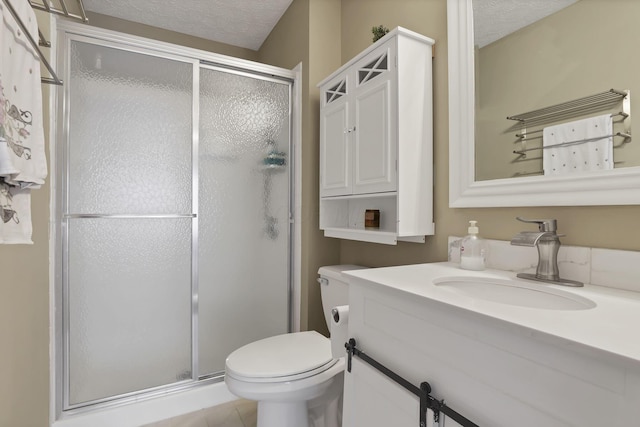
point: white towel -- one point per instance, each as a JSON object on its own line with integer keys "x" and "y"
{"x": 22, "y": 151}
{"x": 581, "y": 156}
{"x": 15, "y": 215}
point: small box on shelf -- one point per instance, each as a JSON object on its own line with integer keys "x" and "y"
{"x": 372, "y": 218}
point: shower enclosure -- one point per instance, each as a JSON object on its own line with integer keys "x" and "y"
{"x": 173, "y": 217}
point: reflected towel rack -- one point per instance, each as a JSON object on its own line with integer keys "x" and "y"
{"x": 526, "y": 134}
{"x": 61, "y": 9}
{"x": 577, "y": 106}
{"x": 607, "y": 100}
{"x": 626, "y": 137}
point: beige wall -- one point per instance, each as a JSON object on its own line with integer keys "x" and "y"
{"x": 24, "y": 312}
{"x": 24, "y": 324}
{"x": 302, "y": 36}
{"x": 307, "y": 33}
{"x": 568, "y": 55}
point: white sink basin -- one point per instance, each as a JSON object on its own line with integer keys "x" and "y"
{"x": 514, "y": 292}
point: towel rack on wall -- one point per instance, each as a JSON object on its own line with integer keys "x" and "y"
{"x": 606, "y": 100}
{"x": 423, "y": 392}
{"x": 57, "y": 7}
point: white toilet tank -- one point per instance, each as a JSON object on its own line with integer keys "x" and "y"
{"x": 333, "y": 288}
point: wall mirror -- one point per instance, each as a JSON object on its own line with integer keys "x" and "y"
{"x": 563, "y": 56}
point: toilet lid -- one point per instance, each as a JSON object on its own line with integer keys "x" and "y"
{"x": 281, "y": 356}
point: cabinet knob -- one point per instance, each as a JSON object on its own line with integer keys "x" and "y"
{"x": 349, "y": 130}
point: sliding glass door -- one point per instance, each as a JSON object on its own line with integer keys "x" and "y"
{"x": 244, "y": 212}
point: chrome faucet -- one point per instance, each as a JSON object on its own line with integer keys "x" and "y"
{"x": 548, "y": 244}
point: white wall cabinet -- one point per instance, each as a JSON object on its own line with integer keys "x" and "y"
{"x": 376, "y": 142}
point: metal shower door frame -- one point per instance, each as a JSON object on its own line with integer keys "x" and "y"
{"x": 67, "y": 33}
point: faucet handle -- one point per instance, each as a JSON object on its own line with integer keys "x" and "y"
{"x": 543, "y": 224}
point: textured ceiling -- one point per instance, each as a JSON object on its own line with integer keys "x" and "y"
{"x": 494, "y": 19}
{"x": 247, "y": 23}
{"x": 243, "y": 23}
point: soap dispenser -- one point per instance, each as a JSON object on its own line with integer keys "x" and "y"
{"x": 473, "y": 250}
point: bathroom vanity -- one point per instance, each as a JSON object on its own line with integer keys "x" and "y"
{"x": 501, "y": 351}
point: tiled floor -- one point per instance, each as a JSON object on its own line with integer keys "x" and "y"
{"x": 238, "y": 413}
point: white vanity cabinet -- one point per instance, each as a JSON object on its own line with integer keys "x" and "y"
{"x": 376, "y": 140}
{"x": 495, "y": 373}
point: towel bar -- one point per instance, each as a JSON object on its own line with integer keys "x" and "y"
{"x": 129, "y": 216}
{"x": 525, "y": 135}
{"x": 45, "y": 6}
{"x": 626, "y": 136}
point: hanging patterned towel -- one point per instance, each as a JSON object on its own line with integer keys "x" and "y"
{"x": 15, "y": 214}
{"x": 592, "y": 151}
{"x": 22, "y": 151}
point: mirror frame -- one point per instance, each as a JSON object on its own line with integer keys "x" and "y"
{"x": 615, "y": 187}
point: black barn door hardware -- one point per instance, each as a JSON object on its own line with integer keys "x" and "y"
{"x": 423, "y": 392}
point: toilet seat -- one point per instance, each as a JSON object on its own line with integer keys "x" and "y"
{"x": 281, "y": 358}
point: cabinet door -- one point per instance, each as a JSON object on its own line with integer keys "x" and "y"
{"x": 373, "y": 400}
{"x": 374, "y": 163}
{"x": 335, "y": 156}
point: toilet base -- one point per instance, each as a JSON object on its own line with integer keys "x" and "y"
{"x": 323, "y": 411}
{"x": 283, "y": 414}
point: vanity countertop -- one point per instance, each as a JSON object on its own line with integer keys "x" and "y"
{"x": 611, "y": 326}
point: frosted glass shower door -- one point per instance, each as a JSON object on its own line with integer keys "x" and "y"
{"x": 129, "y": 222}
{"x": 244, "y": 233}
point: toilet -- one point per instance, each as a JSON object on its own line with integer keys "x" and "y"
{"x": 294, "y": 377}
